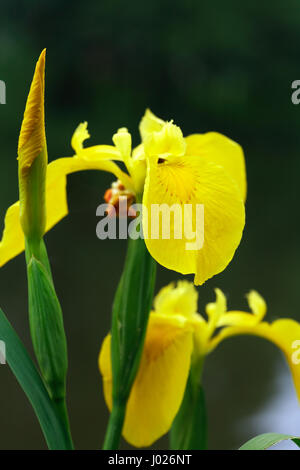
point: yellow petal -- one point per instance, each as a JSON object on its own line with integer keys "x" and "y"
{"x": 180, "y": 299}
{"x": 284, "y": 333}
{"x": 159, "y": 387}
{"x": 12, "y": 242}
{"x": 95, "y": 152}
{"x": 65, "y": 166}
{"x": 150, "y": 123}
{"x": 257, "y": 304}
{"x": 81, "y": 134}
{"x": 223, "y": 151}
{"x": 235, "y": 318}
{"x": 192, "y": 181}
{"x": 122, "y": 141}
{"x": 215, "y": 310}
{"x": 168, "y": 141}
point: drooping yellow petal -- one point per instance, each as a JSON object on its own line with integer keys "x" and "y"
{"x": 12, "y": 242}
{"x": 223, "y": 151}
{"x": 284, "y": 333}
{"x": 158, "y": 389}
{"x": 199, "y": 189}
{"x": 213, "y": 146}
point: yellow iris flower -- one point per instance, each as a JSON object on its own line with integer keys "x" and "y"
{"x": 166, "y": 168}
{"x": 177, "y": 335}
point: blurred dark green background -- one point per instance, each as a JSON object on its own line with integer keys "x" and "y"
{"x": 224, "y": 66}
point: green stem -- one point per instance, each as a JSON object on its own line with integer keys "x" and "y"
{"x": 61, "y": 407}
{"x": 114, "y": 428}
{"x": 131, "y": 310}
{"x": 189, "y": 429}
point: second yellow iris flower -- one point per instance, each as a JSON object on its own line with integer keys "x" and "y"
{"x": 176, "y": 335}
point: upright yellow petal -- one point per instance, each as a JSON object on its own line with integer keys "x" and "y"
{"x": 192, "y": 184}
{"x": 215, "y": 312}
{"x": 235, "y": 318}
{"x": 223, "y": 151}
{"x": 159, "y": 387}
{"x": 95, "y": 152}
{"x": 257, "y": 304}
{"x": 150, "y": 123}
{"x": 180, "y": 299}
{"x": 81, "y": 134}
{"x": 167, "y": 141}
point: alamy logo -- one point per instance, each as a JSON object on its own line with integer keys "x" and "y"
{"x": 2, "y": 352}
{"x": 160, "y": 221}
{"x": 2, "y": 92}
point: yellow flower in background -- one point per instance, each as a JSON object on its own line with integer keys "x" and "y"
{"x": 206, "y": 169}
{"x": 177, "y": 335}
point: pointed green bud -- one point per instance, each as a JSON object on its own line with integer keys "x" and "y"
{"x": 32, "y": 157}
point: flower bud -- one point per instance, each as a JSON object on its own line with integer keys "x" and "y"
{"x": 32, "y": 157}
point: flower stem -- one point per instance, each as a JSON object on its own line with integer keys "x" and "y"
{"x": 114, "y": 428}
{"x": 131, "y": 310}
{"x": 189, "y": 429}
{"x": 61, "y": 408}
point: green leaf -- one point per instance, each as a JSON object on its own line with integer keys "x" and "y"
{"x": 189, "y": 429}
{"x": 47, "y": 329}
{"x": 264, "y": 441}
{"x": 33, "y": 386}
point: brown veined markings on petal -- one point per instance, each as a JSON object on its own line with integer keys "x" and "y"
{"x": 195, "y": 181}
{"x": 163, "y": 331}
{"x": 178, "y": 180}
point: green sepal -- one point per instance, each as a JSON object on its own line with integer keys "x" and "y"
{"x": 32, "y": 191}
{"x": 46, "y": 327}
{"x": 189, "y": 429}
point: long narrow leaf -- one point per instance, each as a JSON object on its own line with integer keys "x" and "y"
{"x": 33, "y": 386}
{"x": 264, "y": 441}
